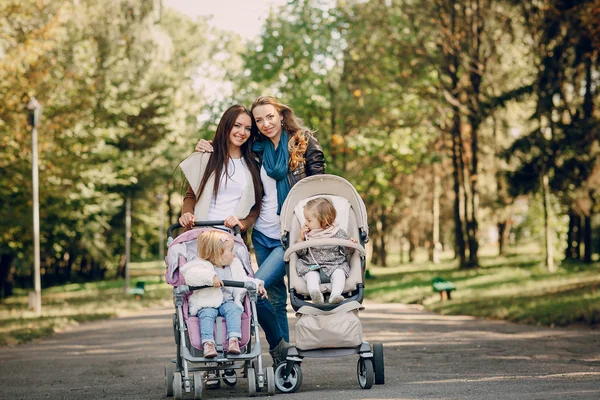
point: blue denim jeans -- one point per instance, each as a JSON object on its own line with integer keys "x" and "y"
{"x": 271, "y": 269}
{"x": 233, "y": 321}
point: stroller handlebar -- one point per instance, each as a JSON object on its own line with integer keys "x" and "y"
{"x": 177, "y": 225}
{"x": 238, "y": 284}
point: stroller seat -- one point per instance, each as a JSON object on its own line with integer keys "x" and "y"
{"x": 220, "y": 330}
{"x": 346, "y": 220}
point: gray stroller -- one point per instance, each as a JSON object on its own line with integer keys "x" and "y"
{"x": 327, "y": 330}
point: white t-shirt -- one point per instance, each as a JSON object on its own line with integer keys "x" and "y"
{"x": 268, "y": 220}
{"x": 230, "y": 191}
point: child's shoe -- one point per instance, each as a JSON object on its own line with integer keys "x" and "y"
{"x": 336, "y": 299}
{"x": 234, "y": 346}
{"x": 317, "y": 297}
{"x": 209, "y": 349}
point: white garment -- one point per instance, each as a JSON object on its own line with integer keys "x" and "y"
{"x": 230, "y": 191}
{"x": 193, "y": 168}
{"x": 201, "y": 273}
{"x": 268, "y": 220}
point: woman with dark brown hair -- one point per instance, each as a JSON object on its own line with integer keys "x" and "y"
{"x": 237, "y": 194}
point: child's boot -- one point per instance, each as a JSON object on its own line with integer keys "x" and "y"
{"x": 317, "y": 297}
{"x": 209, "y": 350}
{"x": 234, "y": 346}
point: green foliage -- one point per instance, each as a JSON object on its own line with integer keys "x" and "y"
{"x": 119, "y": 113}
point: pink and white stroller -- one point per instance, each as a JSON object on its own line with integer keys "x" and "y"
{"x": 191, "y": 369}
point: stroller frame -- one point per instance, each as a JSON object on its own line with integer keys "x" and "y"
{"x": 187, "y": 373}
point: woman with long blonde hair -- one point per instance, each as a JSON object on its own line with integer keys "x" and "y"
{"x": 288, "y": 152}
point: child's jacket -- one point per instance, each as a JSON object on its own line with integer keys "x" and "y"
{"x": 201, "y": 272}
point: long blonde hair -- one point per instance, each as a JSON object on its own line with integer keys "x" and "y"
{"x": 298, "y": 133}
{"x": 211, "y": 244}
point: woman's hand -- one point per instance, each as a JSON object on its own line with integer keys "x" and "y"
{"x": 187, "y": 220}
{"x": 232, "y": 221}
{"x": 263, "y": 292}
{"x": 204, "y": 146}
{"x": 217, "y": 282}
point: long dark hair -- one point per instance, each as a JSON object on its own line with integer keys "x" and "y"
{"x": 219, "y": 158}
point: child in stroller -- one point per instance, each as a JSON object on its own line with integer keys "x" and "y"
{"x": 330, "y": 329}
{"x": 319, "y": 217}
{"x": 216, "y": 262}
{"x": 192, "y": 366}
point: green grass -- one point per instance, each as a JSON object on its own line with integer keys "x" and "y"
{"x": 71, "y": 304}
{"x": 516, "y": 287}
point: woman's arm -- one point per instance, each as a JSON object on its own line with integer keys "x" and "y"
{"x": 188, "y": 218}
{"x": 314, "y": 158}
{"x": 249, "y": 221}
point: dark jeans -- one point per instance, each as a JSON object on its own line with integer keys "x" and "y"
{"x": 268, "y": 322}
{"x": 271, "y": 269}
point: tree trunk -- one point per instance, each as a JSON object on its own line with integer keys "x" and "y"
{"x": 476, "y": 69}
{"x": 5, "y": 275}
{"x": 570, "y": 250}
{"x": 548, "y": 234}
{"x": 382, "y": 249}
{"x": 587, "y": 238}
{"x": 375, "y": 255}
{"x": 435, "y": 237}
{"x": 502, "y": 233}
{"x": 577, "y": 237}
{"x": 401, "y": 249}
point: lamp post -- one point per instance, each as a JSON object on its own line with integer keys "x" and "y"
{"x": 34, "y": 111}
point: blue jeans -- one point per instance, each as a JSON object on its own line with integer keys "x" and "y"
{"x": 271, "y": 269}
{"x": 233, "y": 321}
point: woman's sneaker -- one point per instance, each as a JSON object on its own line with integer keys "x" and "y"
{"x": 234, "y": 346}
{"x": 209, "y": 349}
{"x": 317, "y": 297}
{"x": 279, "y": 353}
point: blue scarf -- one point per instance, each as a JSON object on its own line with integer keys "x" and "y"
{"x": 275, "y": 162}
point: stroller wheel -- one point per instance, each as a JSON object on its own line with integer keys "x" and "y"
{"x": 378, "y": 361}
{"x": 251, "y": 382}
{"x": 365, "y": 373}
{"x": 270, "y": 381}
{"x": 169, "y": 372}
{"x": 177, "y": 389}
{"x": 197, "y": 385}
{"x": 230, "y": 377}
{"x": 293, "y": 381}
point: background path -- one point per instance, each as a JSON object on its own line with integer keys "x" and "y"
{"x": 427, "y": 356}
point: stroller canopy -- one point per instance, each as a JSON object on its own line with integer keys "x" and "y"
{"x": 332, "y": 185}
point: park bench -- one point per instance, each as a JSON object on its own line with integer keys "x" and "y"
{"x": 138, "y": 290}
{"x": 443, "y": 287}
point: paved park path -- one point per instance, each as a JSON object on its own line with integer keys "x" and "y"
{"x": 427, "y": 356}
